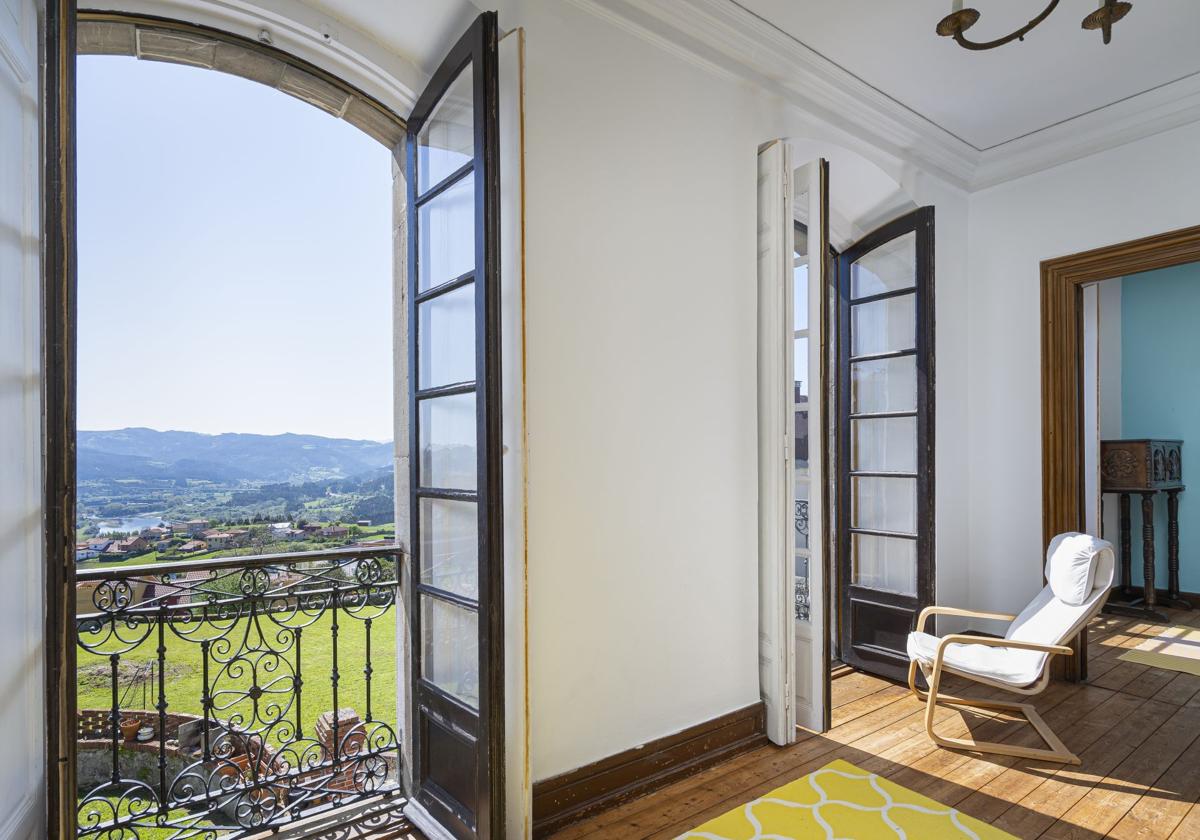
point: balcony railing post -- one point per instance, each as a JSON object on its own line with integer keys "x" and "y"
{"x": 367, "y": 666}
{"x": 115, "y": 660}
{"x": 335, "y": 679}
{"x": 298, "y": 685}
{"x": 162, "y": 711}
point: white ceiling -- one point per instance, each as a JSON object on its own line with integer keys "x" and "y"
{"x": 992, "y": 97}
{"x": 420, "y": 31}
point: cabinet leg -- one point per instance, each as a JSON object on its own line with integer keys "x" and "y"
{"x": 1173, "y": 599}
{"x": 1126, "y": 547}
{"x": 1149, "y": 598}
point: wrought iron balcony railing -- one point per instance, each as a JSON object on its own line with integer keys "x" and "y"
{"x": 265, "y": 703}
{"x": 802, "y": 603}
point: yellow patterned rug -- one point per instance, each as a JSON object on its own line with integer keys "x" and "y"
{"x": 840, "y": 801}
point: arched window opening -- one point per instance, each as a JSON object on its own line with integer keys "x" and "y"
{"x": 237, "y": 562}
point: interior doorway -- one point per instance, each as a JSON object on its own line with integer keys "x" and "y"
{"x": 1070, "y": 489}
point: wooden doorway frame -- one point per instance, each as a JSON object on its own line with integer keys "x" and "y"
{"x": 1063, "y": 279}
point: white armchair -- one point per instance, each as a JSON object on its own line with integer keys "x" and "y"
{"x": 1079, "y": 574}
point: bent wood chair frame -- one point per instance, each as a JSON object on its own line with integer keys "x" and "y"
{"x": 1057, "y": 751}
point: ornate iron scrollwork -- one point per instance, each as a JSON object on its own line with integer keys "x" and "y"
{"x": 801, "y": 580}
{"x": 256, "y": 756}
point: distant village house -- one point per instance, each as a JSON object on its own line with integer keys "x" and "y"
{"x": 121, "y": 548}
{"x": 218, "y": 540}
{"x": 195, "y": 527}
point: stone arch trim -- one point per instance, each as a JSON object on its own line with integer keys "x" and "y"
{"x": 177, "y": 42}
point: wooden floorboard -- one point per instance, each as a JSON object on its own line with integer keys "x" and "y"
{"x": 1136, "y": 729}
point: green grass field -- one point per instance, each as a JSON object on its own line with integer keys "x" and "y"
{"x": 102, "y": 813}
{"x": 139, "y": 560}
{"x": 184, "y": 671}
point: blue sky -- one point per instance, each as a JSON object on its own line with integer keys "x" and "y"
{"x": 235, "y": 262}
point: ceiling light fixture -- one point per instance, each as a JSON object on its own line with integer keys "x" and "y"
{"x": 960, "y": 20}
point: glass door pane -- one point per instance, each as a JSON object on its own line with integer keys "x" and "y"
{"x": 883, "y": 326}
{"x": 888, "y": 564}
{"x": 883, "y": 504}
{"x": 448, "y": 453}
{"x": 446, "y": 338}
{"x": 450, "y": 546}
{"x": 891, "y": 266}
{"x": 446, "y": 142}
{"x": 883, "y": 385}
{"x": 450, "y": 648}
{"x": 446, "y": 225}
{"x": 883, "y": 444}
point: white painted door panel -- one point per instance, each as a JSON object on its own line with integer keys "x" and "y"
{"x": 793, "y": 643}
{"x": 810, "y": 694}
{"x": 776, "y": 651}
{"x": 22, "y": 780}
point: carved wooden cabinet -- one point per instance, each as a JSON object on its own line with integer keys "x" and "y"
{"x": 1134, "y": 466}
{"x": 1146, "y": 467}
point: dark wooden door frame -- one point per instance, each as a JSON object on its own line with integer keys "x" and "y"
{"x": 1063, "y": 279}
{"x": 921, "y": 223}
{"x": 477, "y": 48}
{"x": 58, "y": 407}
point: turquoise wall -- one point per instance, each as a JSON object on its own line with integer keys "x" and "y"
{"x": 1160, "y": 398}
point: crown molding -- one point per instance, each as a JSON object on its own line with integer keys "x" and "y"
{"x": 1146, "y": 114}
{"x": 724, "y": 38}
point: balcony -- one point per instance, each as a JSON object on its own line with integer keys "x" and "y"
{"x": 231, "y": 697}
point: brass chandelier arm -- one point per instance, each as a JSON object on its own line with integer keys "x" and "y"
{"x": 957, "y": 22}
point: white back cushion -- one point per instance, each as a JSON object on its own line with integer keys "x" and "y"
{"x": 1051, "y": 619}
{"x": 1071, "y": 566}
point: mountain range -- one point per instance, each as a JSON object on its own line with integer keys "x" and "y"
{"x": 145, "y": 454}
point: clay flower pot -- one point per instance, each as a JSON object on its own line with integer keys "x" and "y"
{"x": 129, "y": 728}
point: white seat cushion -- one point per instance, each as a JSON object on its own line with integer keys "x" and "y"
{"x": 1017, "y": 668}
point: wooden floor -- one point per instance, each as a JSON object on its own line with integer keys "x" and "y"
{"x": 1137, "y": 730}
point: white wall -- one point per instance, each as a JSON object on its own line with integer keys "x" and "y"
{"x": 1140, "y": 189}
{"x": 21, "y": 683}
{"x": 641, "y": 212}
